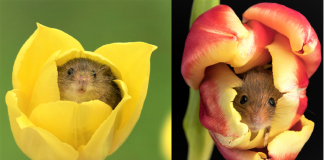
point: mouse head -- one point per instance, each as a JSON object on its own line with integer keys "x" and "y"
{"x": 82, "y": 79}
{"x": 257, "y": 99}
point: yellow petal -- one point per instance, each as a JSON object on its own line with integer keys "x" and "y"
{"x": 46, "y": 88}
{"x": 288, "y": 144}
{"x": 37, "y": 49}
{"x": 99, "y": 145}
{"x": 70, "y": 122}
{"x": 35, "y": 142}
{"x": 133, "y": 61}
{"x": 130, "y": 58}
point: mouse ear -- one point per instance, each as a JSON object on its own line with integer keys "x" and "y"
{"x": 282, "y": 93}
{"x": 59, "y": 68}
{"x": 236, "y": 88}
{"x": 105, "y": 67}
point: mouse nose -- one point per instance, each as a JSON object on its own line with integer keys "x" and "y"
{"x": 83, "y": 79}
{"x": 256, "y": 121}
{"x": 255, "y": 124}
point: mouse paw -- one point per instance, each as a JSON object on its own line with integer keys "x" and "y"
{"x": 266, "y": 139}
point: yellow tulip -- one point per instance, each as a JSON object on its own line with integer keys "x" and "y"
{"x": 45, "y": 127}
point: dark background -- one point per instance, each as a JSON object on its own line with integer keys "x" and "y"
{"x": 313, "y": 11}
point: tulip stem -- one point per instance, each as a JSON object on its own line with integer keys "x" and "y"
{"x": 199, "y": 141}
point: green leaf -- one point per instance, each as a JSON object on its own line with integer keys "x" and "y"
{"x": 201, "y": 6}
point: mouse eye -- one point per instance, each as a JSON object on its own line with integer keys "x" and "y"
{"x": 243, "y": 99}
{"x": 272, "y": 102}
{"x": 70, "y": 71}
{"x": 93, "y": 73}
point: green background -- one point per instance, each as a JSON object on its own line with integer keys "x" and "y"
{"x": 93, "y": 24}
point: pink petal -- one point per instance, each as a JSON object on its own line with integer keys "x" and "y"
{"x": 285, "y": 146}
{"x": 288, "y": 144}
{"x": 216, "y": 110}
{"x": 219, "y": 36}
{"x": 231, "y": 153}
{"x": 262, "y": 36}
{"x": 290, "y": 77}
{"x": 292, "y": 24}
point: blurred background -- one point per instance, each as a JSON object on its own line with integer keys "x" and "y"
{"x": 93, "y": 24}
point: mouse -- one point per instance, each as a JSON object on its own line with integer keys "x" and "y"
{"x": 256, "y": 100}
{"x": 82, "y": 79}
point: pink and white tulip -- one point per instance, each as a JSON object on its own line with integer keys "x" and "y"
{"x": 269, "y": 32}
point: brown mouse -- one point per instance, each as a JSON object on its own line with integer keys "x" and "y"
{"x": 81, "y": 80}
{"x": 256, "y": 100}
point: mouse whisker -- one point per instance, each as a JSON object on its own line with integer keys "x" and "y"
{"x": 310, "y": 111}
